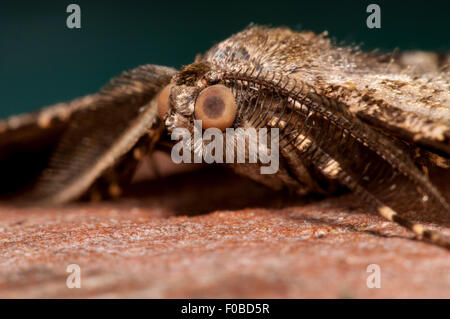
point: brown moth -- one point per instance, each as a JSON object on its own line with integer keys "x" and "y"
{"x": 347, "y": 119}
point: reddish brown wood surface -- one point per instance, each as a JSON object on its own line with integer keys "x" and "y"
{"x": 211, "y": 234}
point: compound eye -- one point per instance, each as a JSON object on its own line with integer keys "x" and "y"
{"x": 216, "y": 107}
{"x": 163, "y": 101}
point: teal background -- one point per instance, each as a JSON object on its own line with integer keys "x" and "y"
{"x": 43, "y": 62}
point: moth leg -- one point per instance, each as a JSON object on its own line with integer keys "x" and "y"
{"x": 384, "y": 210}
{"x": 377, "y": 169}
{"x": 420, "y": 230}
{"x": 305, "y": 182}
{"x": 113, "y": 182}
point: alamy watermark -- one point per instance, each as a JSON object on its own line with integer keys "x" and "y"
{"x": 240, "y": 146}
{"x": 373, "y": 21}
{"x": 74, "y": 279}
{"x": 73, "y": 20}
{"x": 374, "y": 279}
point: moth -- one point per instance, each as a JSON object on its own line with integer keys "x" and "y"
{"x": 373, "y": 124}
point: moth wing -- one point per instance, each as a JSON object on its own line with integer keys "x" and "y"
{"x": 99, "y": 135}
{"x": 406, "y": 95}
{"x": 413, "y": 108}
{"x": 27, "y": 141}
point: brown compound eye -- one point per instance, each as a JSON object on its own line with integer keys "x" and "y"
{"x": 216, "y": 107}
{"x": 163, "y": 101}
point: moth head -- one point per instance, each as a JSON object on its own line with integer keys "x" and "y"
{"x": 190, "y": 96}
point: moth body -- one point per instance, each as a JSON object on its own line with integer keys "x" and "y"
{"x": 344, "y": 120}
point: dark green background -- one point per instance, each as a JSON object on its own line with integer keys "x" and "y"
{"x": 43, "y": 62}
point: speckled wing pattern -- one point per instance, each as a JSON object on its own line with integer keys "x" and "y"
{"x": 363, "y": 120}
{"x": 391, "y": 94}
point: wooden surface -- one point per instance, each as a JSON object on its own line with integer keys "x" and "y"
{"x": 209, "y": 234}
